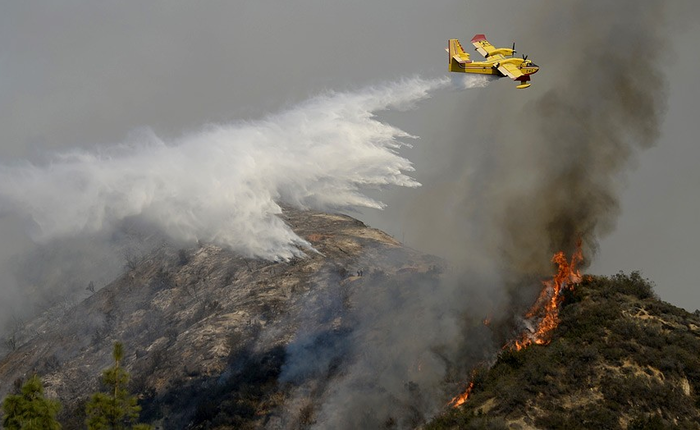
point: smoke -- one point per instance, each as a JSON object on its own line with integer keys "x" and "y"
{"x": 577, "y": 138}
{"x": 387, "y": 363}
{"x": 550, "y": 173}
{"x": 529, "y": 173}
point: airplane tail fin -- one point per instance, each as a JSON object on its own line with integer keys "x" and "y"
{"x": 457, "y": 56}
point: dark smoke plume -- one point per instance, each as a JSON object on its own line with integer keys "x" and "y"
{"x": 550, "y": 177}
{"x": 577, "y": 138}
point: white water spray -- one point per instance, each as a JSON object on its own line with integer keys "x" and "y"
{"x": 224, "y": 184}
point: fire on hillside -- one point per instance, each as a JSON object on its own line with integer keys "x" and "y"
{"x": 543, "y": 316}
{"x": 545, "y": 311}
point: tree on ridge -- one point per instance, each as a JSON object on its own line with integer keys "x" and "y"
{"x": 115, "y": 409}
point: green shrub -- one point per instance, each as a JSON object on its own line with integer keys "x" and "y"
{"x": 655, "y": 422}
{"x": 632, "y": 285}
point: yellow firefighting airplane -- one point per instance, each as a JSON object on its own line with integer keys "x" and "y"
{"x": 499, "y": 61}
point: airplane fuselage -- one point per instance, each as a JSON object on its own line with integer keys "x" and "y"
{"x": 491, "y": 67}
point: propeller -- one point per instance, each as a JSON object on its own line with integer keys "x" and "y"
{"x": 514, "y": 51}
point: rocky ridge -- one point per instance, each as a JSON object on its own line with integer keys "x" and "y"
{"x": 205, "y": 330}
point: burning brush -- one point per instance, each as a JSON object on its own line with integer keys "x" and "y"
{"x": 543, "y": 316}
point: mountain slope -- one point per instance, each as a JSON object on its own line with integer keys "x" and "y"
{"x": 214, "y": 340}
{"x": 620, "y": 358}
{"x": 206, "y": 331}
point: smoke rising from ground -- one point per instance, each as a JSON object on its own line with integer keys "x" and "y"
{"x": 579, "y": 136}
{"x": 550, "y": 176}
{"x": 388, "y": 362}
{"x": 540, "y": 169}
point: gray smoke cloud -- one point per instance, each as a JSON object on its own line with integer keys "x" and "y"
{"x": 577, "y": 138}
{"x": 525, "y": 175}
{"x": 547, "y": 175}
{"x": 378, "y": 352}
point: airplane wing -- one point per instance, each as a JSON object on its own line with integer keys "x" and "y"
{"x": 510, "y": 70}
{"x": 485, "y": 48}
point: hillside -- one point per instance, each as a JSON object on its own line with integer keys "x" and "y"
{"x": 206, "y": 331}
{"x": 619, "y": 359}
{"x": 218, "y": 341}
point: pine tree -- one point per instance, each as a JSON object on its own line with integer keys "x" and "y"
{"x": 116, "y": 409}
{"x": 30, "y": 410}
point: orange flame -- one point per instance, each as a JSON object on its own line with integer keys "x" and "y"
{"x": 546, "y": 309}
{"x": 459, "y": 400}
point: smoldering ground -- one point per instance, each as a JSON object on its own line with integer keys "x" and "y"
{"x": 378, "y": 351}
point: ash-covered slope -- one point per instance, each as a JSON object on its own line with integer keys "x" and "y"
{"x": 619, "y": 359}
{"x": 208, "y": 333}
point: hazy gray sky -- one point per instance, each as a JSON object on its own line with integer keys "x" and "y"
{"x": 658, "y": 231}
{"x": 79, "y": 73}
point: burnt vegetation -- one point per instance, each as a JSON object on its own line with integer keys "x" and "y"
{"x": 620, "y": 358}
{"x": 245, "y": 398}
{"x": 208, "y": 332}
